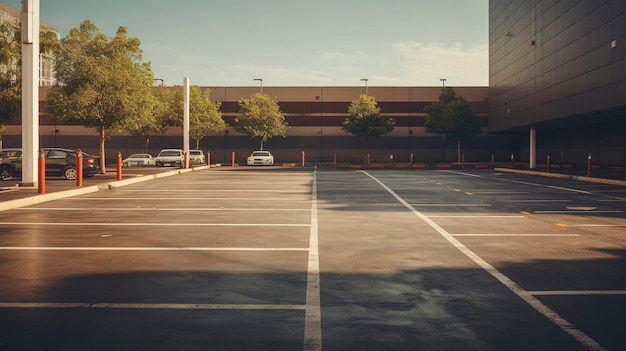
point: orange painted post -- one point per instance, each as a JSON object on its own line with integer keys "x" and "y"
{"x": 335, "y": 161}
{"x": 369, "y": 161}
{"x": 41, "y": 175}
{"x": 208, "y": 159}
{"x": 463, "y": 160}
{"x": 548, "y": 163}
{"x": 302, "y": 158}
{"x": 79, "y": 168}
{"x": 119, "y": 166}
{"x": 232, "y": 159}
{"x": 589, "y": 165}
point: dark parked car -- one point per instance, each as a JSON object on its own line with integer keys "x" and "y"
{"x": 58, "y": 162}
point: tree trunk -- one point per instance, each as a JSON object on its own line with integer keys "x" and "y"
{"x": 103, "y": 169}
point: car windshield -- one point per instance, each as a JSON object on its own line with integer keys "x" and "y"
{"x": 138, "y": 156}
{"x": 169, "y": 153}
{"x": 260, "y": 153}
{"x": 10, "y": 153}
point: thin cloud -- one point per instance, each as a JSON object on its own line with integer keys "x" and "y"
{"x": 426, "y": 64}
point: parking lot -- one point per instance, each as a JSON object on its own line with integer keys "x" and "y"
{"x": 273, "y": 258}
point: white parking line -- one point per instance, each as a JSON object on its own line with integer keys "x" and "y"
{"x": 112, "y": 248}
{"x": 184, "y": 198}
{"x": 132, "y": 224}
{"x": 577, "y": 292}
{"x": 502, "y": 234}
{"x": 562, "y": 323}
{"x": 451, "y": 204}
{"x": 313, "y": 314}
{"x": 169, "y": 306}
{"x": 186, "y": 209}
{"x": 479, "y": 216}
{"x": 574, "y": 211}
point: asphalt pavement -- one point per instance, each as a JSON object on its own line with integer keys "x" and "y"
{"x": 279, "y": 258}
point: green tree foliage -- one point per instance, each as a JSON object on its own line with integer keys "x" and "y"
{"x": 11, "y": 69}
{"x": 204, "y": 115}
{"x": 365, "y": 120}
{"x": 102, "y": 82}
{"x": 452, "y": 118}
{"x": 260, "y": 118}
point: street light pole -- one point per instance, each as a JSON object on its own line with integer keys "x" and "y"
{"x": 365, "y": 80}
{"x": 260, "y": 82}
{"x": 443, "y": 83}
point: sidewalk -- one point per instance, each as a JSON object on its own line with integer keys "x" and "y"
{"x": 13, "y": 196}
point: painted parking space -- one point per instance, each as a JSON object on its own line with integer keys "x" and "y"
{"x": 183, "y": 255}
{"x": 284, "y": 259}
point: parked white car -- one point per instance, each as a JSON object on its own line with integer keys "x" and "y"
{"x": 170, "y": 158}
{"x": 196, "y": 157}
{"x": 138, "y": 160}
{"x": 261, "y": 157}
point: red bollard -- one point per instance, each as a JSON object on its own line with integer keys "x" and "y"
{"x": 302, "y": 158}
{"x": 79, "y": 168}
{"x": 335, "y": 161}
{"x": 463, "y": 160}
{"x": 391, "y": 160}
{"x": 232, "y": 159}
{"x": 41, "y": 175}
{"x": 208, "y": 159}
{"x": 548, "y": 163}
{"x": 369, "y": 161}
{"x": 411, "y": 161}
{"x": 119, "y": 166}
{"x": 589, "y": 165}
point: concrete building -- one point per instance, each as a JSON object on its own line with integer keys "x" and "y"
{"x": 558, "y": 77}
{"x": 46, "y": 63}
{"x": 315, "y": 116}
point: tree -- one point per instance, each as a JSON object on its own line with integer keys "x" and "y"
{"x": 365, "y": 120}
{"x": 11, "y": 69}
{"x": 451, "y": 117}
{"x": 260, "y": 118}
{"x": 102, "y": 82}
{"x": 204, "y": 115}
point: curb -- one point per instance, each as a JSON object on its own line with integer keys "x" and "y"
{"x": 564, "y": 176}
{"x": 37, "y": 199}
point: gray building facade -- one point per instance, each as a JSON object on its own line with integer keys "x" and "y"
{"x": 558, "y": 76}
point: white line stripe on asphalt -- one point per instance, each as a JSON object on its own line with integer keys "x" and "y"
{"x": 170, "y": 306}
{"x": 158, "y": 224}
{"x": 313, "y": 314}
{"x": 478, "y": 216}
{"x": 574, "y": 211}
{"x": 480, "y": 234}
{"x": 452, "y": 204}
{"x": 577, "y": 292}
{"x": 185, "y": 198}
{"x": 111, "y": 248}
{"x": 156, "y": 209}
{"x": 562, "y": 323}
{"x": 537, "y": 201}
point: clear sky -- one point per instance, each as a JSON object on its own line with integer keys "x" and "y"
{"x": 295, "y": 42}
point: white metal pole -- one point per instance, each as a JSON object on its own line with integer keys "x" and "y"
{"x": 30, "y": 91}
{"x": 533, "y": 148}
{"x": 186, "y": 122}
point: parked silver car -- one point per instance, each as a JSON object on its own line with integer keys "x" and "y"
{"x": 170, "y": 158}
